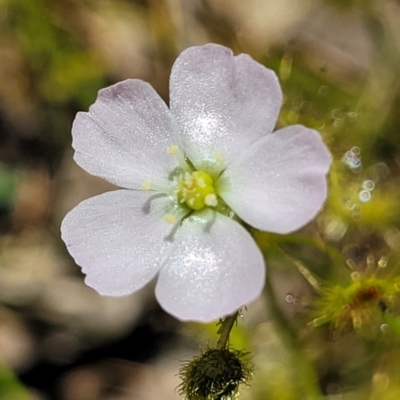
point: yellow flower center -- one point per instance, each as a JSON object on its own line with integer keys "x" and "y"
{"x": 196, "y": 190}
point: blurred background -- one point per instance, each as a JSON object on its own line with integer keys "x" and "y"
{"x": 339, "y": 65}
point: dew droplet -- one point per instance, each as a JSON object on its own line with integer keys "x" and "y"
{"x": 356, "y": 211}
{"x": 392, "y": 238}
{"x": 379, "y": 172}
{"x": 337, "y": 122}
{"x": 323, "y": 90}
{"x": 349, "y": 205}
{"x": 335, "y": 228}
{"x": 289, "y": 298}
{"x": 351, "y": 158}
{"x": 356, "y": 163}
{"x": 364, "y": 195}
{"x": 384, "y": 328}
{"x": 356, "y": 150}
{"x": 382, "y": 263}
{"x": 381, "y": 381}
{"x": 368, "y": 184}
{"x": 355, "y": 276}
{"x": 352, "y": 115}
{"x": 349, "y": 155}
{"x": 351, "y": 263}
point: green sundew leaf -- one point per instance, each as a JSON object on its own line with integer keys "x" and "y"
{"x": 346, "y": 200}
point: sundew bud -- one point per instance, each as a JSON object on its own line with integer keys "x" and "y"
{"x": 215, "y": 375}
{"x": 360, "y": 304}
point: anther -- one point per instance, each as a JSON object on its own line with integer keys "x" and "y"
{"x": 172, "y": 149}
{"x": 176, "y": 151}
{"x": 146, "y": 184}
{"x": 170, "y": 218}
{"x": 211, "y": 200}
{"x": 219, "y": 158}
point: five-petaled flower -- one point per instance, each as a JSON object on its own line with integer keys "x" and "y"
{"x": 190, "y": 174}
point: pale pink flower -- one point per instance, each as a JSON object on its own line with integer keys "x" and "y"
{"x": 182, "y": 225}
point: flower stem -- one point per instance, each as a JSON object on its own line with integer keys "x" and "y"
{"x": 225, "y": 330}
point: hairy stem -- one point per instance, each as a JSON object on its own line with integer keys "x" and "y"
{"x": 225, "y": 330}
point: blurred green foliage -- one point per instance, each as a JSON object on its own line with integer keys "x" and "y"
{"x": 8, "y": 183}
{"x": 10, "y": 387}
{"x": 63, "y": 68}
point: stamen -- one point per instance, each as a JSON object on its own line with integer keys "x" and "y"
{"x": 170, "y": 218}
{"x": 146, "y": 184}
{"x": 172, "y": 149}
{"x": 219, "y": 158}
{"x": 176, "y": 151}
{"x": 175, "y": 220}
{"x": 211, "y": 200}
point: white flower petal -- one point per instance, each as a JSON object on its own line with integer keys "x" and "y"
{"x": 125, "y": 135}
{"x": 279, "y": 184}
{"x": 118, "y": 238}
{"x": 214, "y": 269}
{"x": 223, "y": 103}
